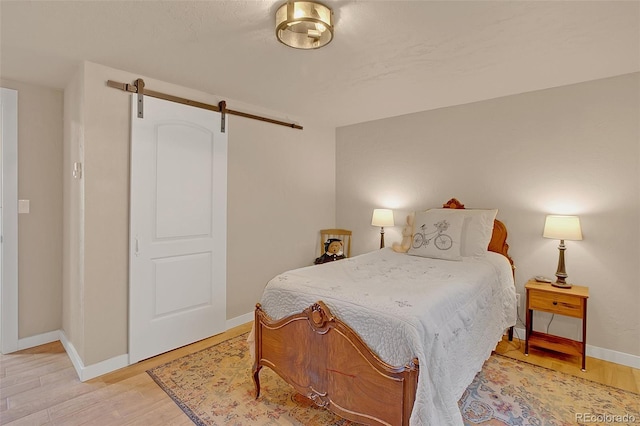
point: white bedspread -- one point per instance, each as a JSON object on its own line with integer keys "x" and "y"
{"x": 448, "y": 314}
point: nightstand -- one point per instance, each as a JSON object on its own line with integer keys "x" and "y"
{"x": 570, "y": 302}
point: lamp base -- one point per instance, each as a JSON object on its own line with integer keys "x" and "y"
{"x": 561, "y": 273}
{"x": 561, "y": 285}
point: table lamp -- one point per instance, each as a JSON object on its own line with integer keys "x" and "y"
{"x": 562, "y": 228}
{"x": 382, "y": 218}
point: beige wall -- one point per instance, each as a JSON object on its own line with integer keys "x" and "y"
{"x": 73, "y": 220}
{"x": 568, "y": 150}
{"x": 40, "y": 231}
{"x": 573, "y": 149}
{"x": 280, "y": 193}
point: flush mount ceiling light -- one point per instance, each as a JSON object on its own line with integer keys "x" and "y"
{"x": 304, "y": 24}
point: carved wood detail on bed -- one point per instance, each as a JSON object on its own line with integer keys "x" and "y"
{"x": 325, "y": 360}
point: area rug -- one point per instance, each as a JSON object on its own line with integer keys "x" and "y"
{"x": 214, "y": 387}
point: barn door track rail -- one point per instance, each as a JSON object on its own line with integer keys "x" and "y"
{"x": 139, "y": 88}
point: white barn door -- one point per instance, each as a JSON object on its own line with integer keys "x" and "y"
{"x": 177, "y": 271}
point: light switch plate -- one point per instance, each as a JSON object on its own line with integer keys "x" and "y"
{"x": 23, "y": 206}
{"x": 77, "y": 170}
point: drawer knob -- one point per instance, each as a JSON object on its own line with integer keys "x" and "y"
{"x": 555, "y": 303}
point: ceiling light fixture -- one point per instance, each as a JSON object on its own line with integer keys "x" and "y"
{"x": 304, "y": 24}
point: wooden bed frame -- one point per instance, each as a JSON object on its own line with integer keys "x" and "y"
{"x": 325, "y": 360}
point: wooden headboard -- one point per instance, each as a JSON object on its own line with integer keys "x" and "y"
{"x": 498, "y": 243}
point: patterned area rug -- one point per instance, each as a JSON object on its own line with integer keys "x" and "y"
{"x": 215, "y": 387}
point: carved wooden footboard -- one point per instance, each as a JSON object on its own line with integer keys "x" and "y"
{"x": 325, "y": 360}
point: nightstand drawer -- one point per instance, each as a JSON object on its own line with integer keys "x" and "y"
{"x": 556, "y": 303}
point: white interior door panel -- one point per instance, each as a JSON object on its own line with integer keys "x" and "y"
{"x": 178, "y": 227}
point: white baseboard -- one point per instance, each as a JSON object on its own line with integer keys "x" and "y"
{"x": 94, "y": 370}
{"x": 613, "y": 356}
{"x": 242, "y": 319}
{"x": 38, "y": 339}
{"x": 519, "y": 333}
{"x": 599, "y": 353}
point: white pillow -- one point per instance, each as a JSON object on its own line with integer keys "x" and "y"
{"x": 437, "y": 234}
{"x": 477, "y": 230}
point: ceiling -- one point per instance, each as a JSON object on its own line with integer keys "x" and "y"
{"x": 387, "y": 58}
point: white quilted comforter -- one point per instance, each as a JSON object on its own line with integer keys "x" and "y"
{"x": 448, "y": 314}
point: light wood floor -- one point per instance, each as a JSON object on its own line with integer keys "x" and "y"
{"x": 39, "y": 386}
{"x": 607, "y": 373}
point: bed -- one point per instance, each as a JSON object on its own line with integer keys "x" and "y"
{"x": 389, "y": 338}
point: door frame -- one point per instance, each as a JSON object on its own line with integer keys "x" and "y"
{"x": 9, "y": 222}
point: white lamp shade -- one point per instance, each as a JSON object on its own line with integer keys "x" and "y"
{"x": 562, "y": 228}
{"x": 382, "y": 217}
